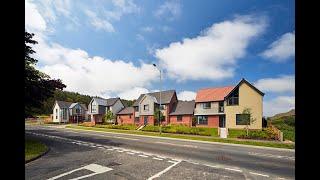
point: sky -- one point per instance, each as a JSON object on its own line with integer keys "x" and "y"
{"x": 107, "y": 47}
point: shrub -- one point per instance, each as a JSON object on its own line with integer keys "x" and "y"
{"x": 87, "y": 124}
{"x": 124, "y": 127}
{"x": 264, "y": 134}
{"x": 183, "y": 129}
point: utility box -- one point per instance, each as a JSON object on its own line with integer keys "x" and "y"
{"x": 223, "y": 132}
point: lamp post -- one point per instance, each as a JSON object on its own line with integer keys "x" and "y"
{"x": 160, "y": 98}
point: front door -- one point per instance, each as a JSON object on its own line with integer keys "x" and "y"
{"x": 222, "y": 121}
{"x": 145, "y": 120}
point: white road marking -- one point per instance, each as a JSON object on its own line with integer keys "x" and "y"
{"x": 212, "y": 166}
{"x": 93, "y": 146}
{"x": 141, "y": 155}
{"x": 264, "y": 175}
{"x": 101, "y": 147}
{"x": 164, "y": 171}
{"x": 120, "y": 151}
{"x": 231, "y": 169}
{"x": 97, "y": 169}
{"x": 181, "y": 145}
{"x": 130, "y": 153}
{"x": 271, "y": 155}
{"x": 157, "y": 159}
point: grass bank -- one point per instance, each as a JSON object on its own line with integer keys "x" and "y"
{"x": 191, "y": 137}
{"x": 33, "y": 149}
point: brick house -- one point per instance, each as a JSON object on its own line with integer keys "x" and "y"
{"x": 223, "y": 106}
{"x": 182, "y": 113}
{"x": 147, "y": 104}
{"x": 126, "y": 116}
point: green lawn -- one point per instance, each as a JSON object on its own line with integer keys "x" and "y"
{"x": 287, "y": 126}
{"x": 192, "y": 137}
{"x": 33, "y": 149}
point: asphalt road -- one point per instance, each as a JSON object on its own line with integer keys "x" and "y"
{"x": 120, "y": 156}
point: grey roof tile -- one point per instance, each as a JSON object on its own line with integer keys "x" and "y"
{"x": 183, "y": 107}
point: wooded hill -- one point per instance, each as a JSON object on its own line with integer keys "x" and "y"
{"x": 69, "y": 97}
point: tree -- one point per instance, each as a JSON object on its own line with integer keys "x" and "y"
{"x": 156, "y": 116}
{"x": 38, "y": 86}
{"x": 108, "y": 116}
{"x": 247, "y": 119}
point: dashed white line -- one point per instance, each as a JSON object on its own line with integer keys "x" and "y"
{"x": 157, "y": 159}
{"x": 172, "y": 161}
{"x": 141, "y": 155}
{"x": 93, "y": 146}
{"x": 130, "y": 153}
{"x": 231, "y": 169}
{"x": 264, "y": 175}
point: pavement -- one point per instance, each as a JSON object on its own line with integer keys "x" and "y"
{"x": 76, "y": 154}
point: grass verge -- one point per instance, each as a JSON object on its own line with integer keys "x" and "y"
{"x": 191, "y": 137}
{"x": 33, "y": 149}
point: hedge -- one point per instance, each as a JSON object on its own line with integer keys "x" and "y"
{"x": 264, "y": 134}
{"x": 182, "y": 129}
{"x": 124, "y": 127}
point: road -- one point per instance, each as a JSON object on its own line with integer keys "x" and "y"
{"x": 93, "y": 155}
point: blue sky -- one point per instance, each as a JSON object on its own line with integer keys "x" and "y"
{"x": 105, "y": 48}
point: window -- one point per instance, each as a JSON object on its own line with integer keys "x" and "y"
{"x": 206, "y": 105}
{"x": 77, "y": 111}
{"x": 179, "y": 118}
{"x": 64, "y": 113}
{"x": 93, "y": 108}
{"x": 202, "y": 120}
{"x": 146, "y": 107}
{"x": 221, "y": 108}
{"x": 162, "y": 107}
{"x": 136, "y": 108}
{"x": 56, "y": 113}
{"x": 233, "y": 98}
{"x": 242, "y": 119}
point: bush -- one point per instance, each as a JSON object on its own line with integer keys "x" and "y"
{"x": 182, "y": 129}
{"x": 124, "y": 127}
{"x": 264, "y": 134}
{"x": 87, "y": 124}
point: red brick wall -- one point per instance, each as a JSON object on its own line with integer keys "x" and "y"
{"x": 186, "y": 120}
{"x": 213, "y": 121}
{"x": 150, "y": 120}
{"x": 125, "y": 119}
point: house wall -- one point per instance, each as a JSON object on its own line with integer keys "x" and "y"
{"x": 56, "y": 108}
{"x": 93, "y": 103}
{"x": 213, "y": 110}
{"x": 169, "y": 107}
{"x": 125, "y": 119}
{"x": 248, "y": 98}
{"x": 213, "y": 122}
{"x": 146, "y": 100}
{"x": 186, "y": 120}
{"x": 150, "y": 120}
{"x": 117, "y": 107}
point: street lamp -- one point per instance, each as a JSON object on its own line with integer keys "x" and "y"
{"x": 160, "y": 99}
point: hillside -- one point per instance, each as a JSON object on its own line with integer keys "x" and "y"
{"x": 70, "y": 97}
{"x": 285, "y": 122}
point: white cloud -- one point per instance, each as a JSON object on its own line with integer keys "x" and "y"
{"x": 99, "y": 23}
{"x": 277, "y": 105}
{"x": 140, "y": 37}
{"x": 122, "y": 7}
{"x": 186, "y": 95}
{"x": 169, "y": 9}
{"x": 285, "y": 83}
{"x": 132, "y": 94}
{"x": 33, "y": 19}
{"x": 92, "y": 75}
{"x": 282, "y": 49}
{"x": 213, "y": 54}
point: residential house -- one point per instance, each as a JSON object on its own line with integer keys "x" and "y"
{"x": 147, "y": 104}
{"x": 182, "y": 113}
{"x": 126, "y": 116}
{"x": 68, "y": 112}
{"x": 98, "y": 107}
{"x": 78, "y": 112}
{"x": 223, "y": 106}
